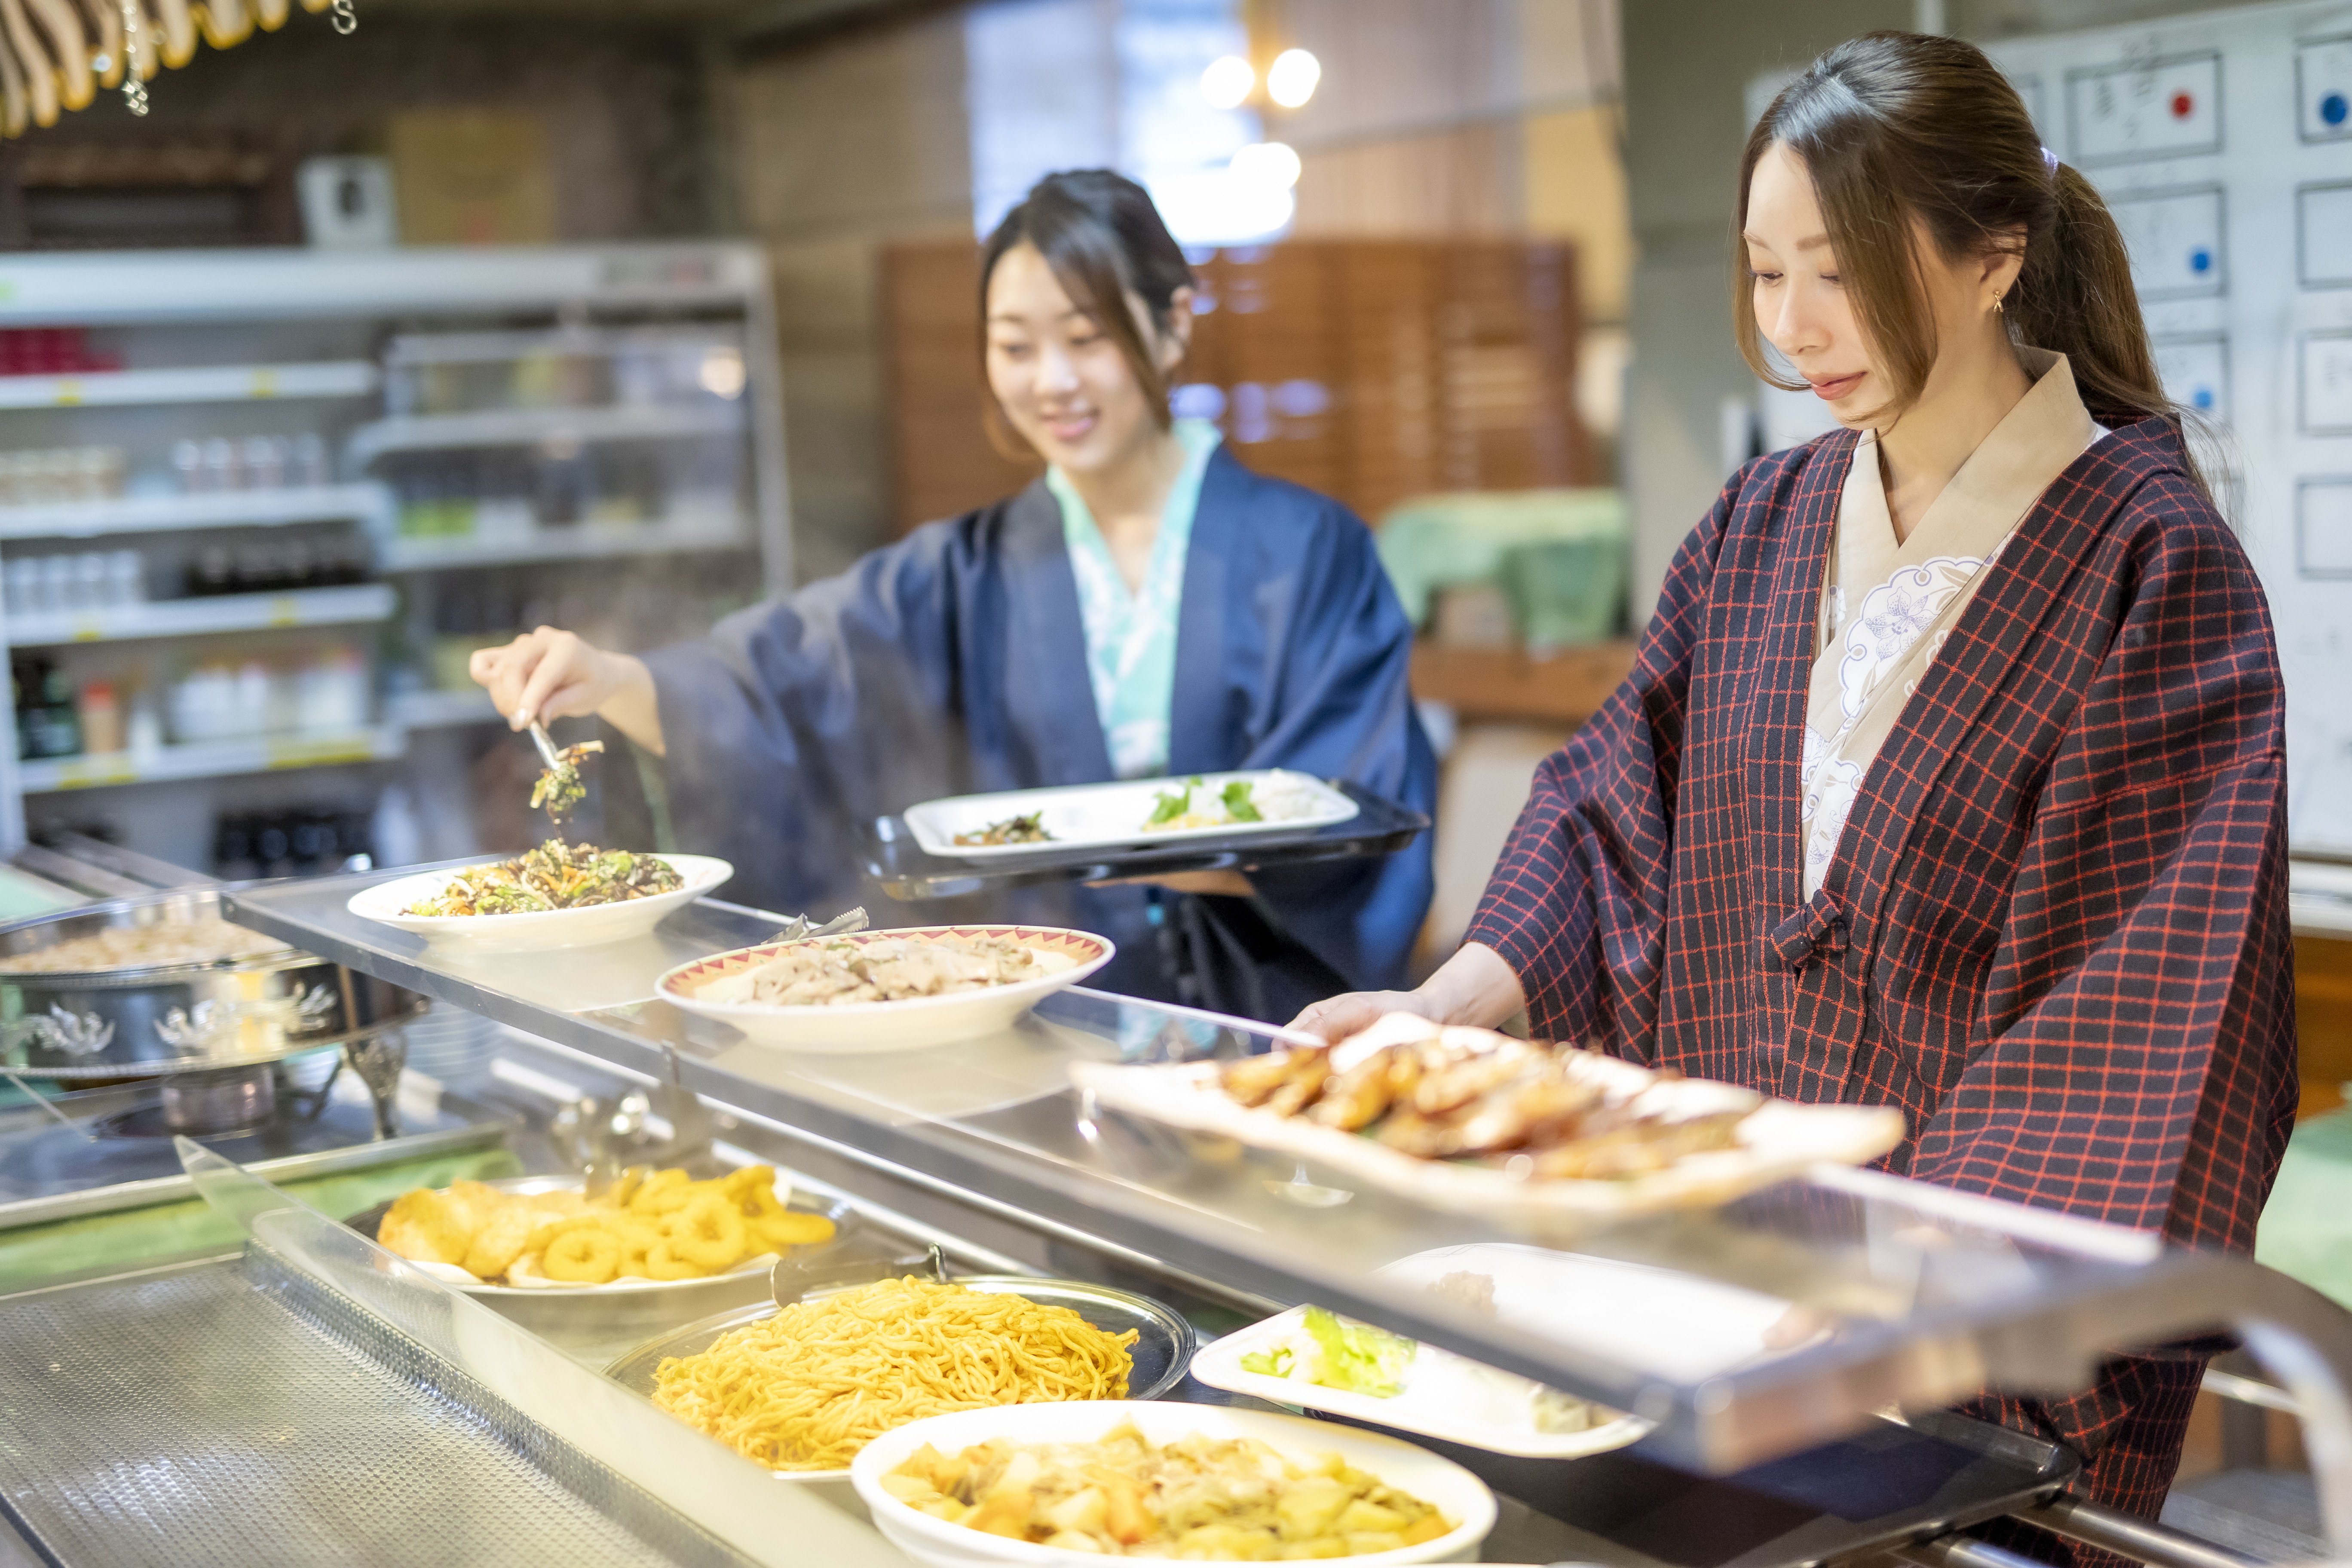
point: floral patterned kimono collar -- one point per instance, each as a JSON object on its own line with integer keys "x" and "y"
{"x": 1889, "y": 605}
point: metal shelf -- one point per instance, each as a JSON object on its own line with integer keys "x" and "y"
{"x": 530, "y": 426}
{"x": 584, "y": 541}
{"x": 197, "y": 383}
{"x": 196, "y": 617}
{"x": 209, "y": 509}
{"x": 219, "y": 759}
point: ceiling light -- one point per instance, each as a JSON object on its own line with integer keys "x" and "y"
{"x": 1267, "y": 162}
{"x": 1290, "y": 80}
{"x": 1228, "y": 82}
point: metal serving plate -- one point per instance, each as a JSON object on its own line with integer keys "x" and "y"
{"x": 176, "y": 1018}
{"x": 1163, "y": 1342}
{"x": 591, "y": 1321}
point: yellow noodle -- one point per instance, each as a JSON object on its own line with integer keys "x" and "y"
{"x": 807, "y": 1388}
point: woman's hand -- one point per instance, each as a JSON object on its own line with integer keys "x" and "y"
{"x": 550, "y": 674}
{"x": 1474, "y": 987}
{"x": 1335, "y": 1019}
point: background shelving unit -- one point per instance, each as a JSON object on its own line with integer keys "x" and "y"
{"x": 589, "y": 434}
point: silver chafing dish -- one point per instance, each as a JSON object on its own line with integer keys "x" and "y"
{"x": 211, "y": 1031}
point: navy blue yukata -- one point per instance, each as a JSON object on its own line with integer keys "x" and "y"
{"x": 955, "y": 661}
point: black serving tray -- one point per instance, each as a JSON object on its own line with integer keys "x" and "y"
{"x": 1886, "y": 1485}
{"x": 907, "y": 870}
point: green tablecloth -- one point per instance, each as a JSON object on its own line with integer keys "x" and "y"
{"x": 133, "y": 1238}
{"x": 2307, "y": 1229}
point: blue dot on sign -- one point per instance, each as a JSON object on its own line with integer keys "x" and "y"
{"x": 2203, "y": 397}
{"x": 2200, "y": 261}
{"x": 2332, "y": 109}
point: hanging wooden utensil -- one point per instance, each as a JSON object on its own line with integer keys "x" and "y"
{"x": 33, "y": 58}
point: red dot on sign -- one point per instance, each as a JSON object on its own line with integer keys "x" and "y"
{"x": 2181, "y": 104}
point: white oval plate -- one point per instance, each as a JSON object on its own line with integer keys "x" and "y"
{"x": 1453, "y": 1490}
{"x": 536, "y": 930}
{"x": 863, "y": 1027}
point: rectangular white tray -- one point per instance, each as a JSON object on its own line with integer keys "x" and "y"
{"x": 1082, "y": 816}
{"x": 1778, "y": 1141}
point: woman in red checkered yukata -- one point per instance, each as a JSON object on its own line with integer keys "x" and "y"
{"x": 1949, "y": 772}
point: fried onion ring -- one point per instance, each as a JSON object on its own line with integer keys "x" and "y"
{"x": 664, "y": 1263}
{"x": 709, "y": 1233}
{"x": 585, "y": 1256}
{"x": 792, "y": 1229}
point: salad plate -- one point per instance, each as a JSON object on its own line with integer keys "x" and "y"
{"x": 1318, "y": 1360}
{"x": 1018, "y": 824}
{"x": 535, "y": 930}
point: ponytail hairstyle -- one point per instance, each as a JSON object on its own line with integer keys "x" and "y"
{"x": 1898, "y": 128}
{"x": 1104, "y": 240}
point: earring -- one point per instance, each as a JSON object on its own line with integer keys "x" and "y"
{"x": 1996, "y": 305}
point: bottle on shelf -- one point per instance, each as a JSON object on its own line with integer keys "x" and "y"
{"x": 101, "y": 719}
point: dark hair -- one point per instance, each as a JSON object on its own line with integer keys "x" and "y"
{"x": 1897, "y": 126}
{"x": 1102, "y": 237}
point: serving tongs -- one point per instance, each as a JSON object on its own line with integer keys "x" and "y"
{"x": 548, "y": 754}
{"x": 807, "y": 1273}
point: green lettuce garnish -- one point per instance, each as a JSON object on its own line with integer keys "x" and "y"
{"x": 1358, "y": 1357}
{"x": 1274, "y": 1363}
{"x": 1167, "y": 805}
{"x": 1238, "y": 804}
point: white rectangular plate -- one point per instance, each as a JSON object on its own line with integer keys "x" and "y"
{"x": 1777, "y": 1142}
{"x": 1091, "y": 817}
{"x": 1446, "y": 1397}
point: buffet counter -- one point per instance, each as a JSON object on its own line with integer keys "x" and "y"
{"x": 1762, "y": 1338}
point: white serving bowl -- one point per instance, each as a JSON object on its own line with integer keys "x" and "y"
{"x": 1455, "y": 1492}
{"x": 863, "y": 1027}
{"x": 536, "y": 930}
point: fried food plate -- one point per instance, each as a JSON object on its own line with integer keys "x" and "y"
{"x": 541, "y": 1288}
{"x": 1775, "y": 1141}
{"x": 1090, "y": 817}
{"x": 535, "y": 930}
{"x": 909, "y": 1024}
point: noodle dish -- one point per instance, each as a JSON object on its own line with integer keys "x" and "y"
{"x": 805, "y": 1389}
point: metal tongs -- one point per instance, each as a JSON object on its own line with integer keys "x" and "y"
{"x": 548, "y": 754}
{"x": 801, "y": 927}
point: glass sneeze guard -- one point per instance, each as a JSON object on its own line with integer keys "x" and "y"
{"x": 1746, "y": 1330}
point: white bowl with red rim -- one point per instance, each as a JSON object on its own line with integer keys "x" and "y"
{"x": 863, "y": 1027}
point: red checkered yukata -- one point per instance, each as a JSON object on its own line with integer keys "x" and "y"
{"x": 2054, "y": 928}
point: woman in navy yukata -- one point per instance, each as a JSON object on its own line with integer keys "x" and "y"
{"x": 1949, "y": 774}
{"x": 1148, "y": 607}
